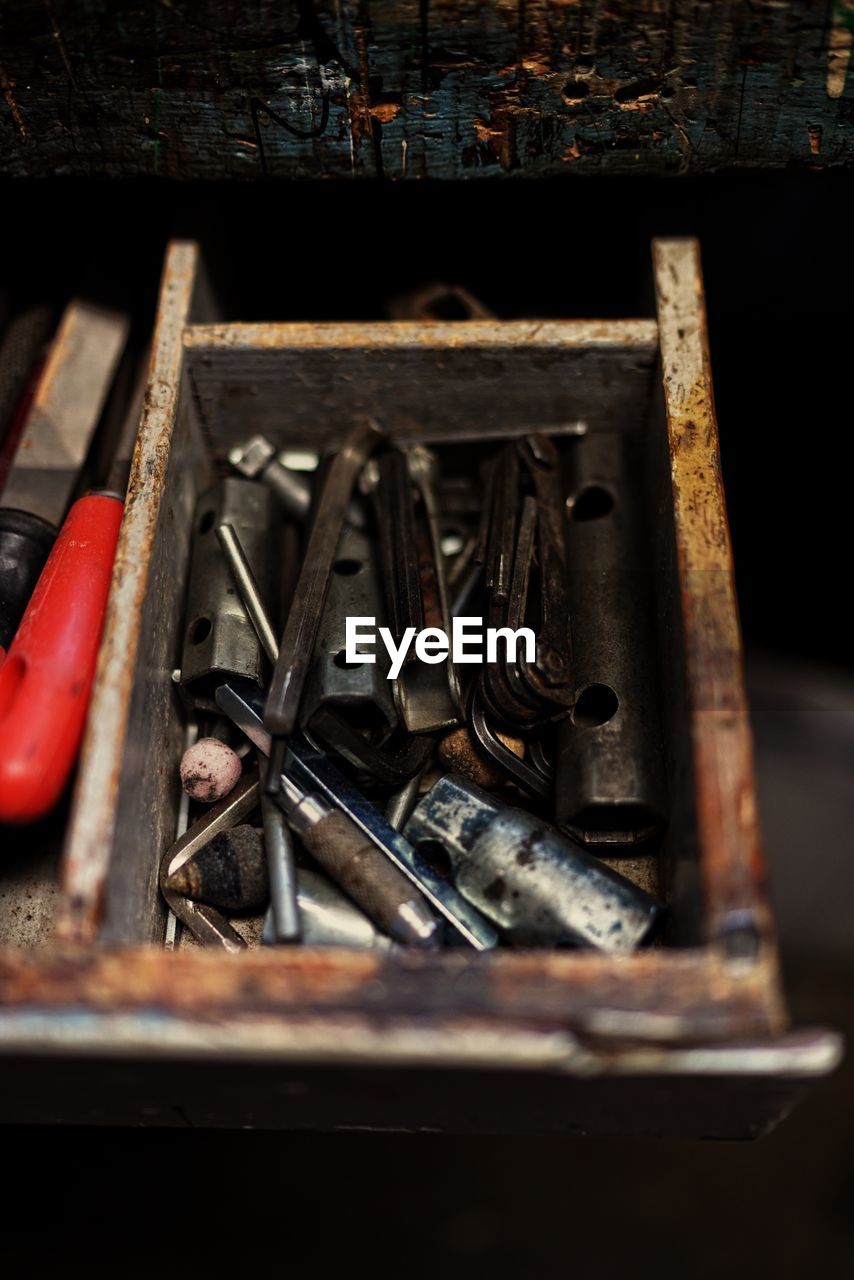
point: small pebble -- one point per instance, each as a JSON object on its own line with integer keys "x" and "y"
{"x": 209, "y": 770}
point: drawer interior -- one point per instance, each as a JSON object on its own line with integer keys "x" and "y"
{"x": 462, "y": 388}
{"x": 451, "y": 385}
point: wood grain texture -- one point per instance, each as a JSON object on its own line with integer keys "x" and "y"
{"x": 423, "y": 88}
{"x": 731, "y": 862}
{"x": 654, "y": 997}
{"x": 431, "y": 381}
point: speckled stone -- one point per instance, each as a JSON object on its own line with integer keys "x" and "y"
{"x": 209, "y": 770}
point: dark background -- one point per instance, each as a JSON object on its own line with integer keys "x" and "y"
{"x": 779, "y": 276}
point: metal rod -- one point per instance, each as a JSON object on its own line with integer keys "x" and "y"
{"x": 281, "y": 869}
{"x": 173, "y": 925}
{"x": 247, "y": 587}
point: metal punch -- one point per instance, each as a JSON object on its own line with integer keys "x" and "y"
{"x": 358, "y": 865}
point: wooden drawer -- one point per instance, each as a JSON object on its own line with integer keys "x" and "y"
{"x": 687, "y": 1037}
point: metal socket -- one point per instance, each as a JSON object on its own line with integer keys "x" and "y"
{"x": 609, "y": 772}
{"x": 539, "y": 888}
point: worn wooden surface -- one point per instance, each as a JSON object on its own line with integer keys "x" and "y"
{"x": 658, "y": 997}
{"x": 731, "y": 865}
{"x": 410, "y": 88}
{"x": 436, "y": 382}
{"x": 124, "y": 708}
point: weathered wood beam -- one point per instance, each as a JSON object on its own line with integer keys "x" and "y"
{"x": 423, "y": 88}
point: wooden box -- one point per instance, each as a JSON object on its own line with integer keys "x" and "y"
{"x": 691, "y": 1037}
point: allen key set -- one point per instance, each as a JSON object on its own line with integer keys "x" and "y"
{"x": 417, "y": 739}
{"x": 343, "y": 732}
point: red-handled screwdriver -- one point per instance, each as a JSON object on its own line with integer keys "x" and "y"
{"x": 47, "y": 676}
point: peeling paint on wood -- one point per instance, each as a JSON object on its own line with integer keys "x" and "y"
{"x": 410, "y": 88}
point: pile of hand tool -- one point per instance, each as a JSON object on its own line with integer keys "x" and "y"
{"x": 393, "y": 796}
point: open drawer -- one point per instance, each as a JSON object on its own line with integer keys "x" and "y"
{"x": 690, "y": 1036}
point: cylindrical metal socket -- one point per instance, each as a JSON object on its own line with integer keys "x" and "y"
{"x": 219, "y": 638}
{"x": 539, "y": 888}
{"x": 609, "y": 773}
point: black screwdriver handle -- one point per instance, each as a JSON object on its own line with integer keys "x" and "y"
{"x": 25, "y": 543}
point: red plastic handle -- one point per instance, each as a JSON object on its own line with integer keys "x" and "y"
{"x": 46, "y": 679}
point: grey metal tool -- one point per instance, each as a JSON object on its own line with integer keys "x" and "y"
{"x": 356, "y": 864}
{"x": 281, "y": 869}
{"x": 244, "y": 580}
{"x": 331, "y": 683}
{"x": 239, "y": 701}
{"x": 206, "y": 923}
{"x": 525, "y": 579}
{"x": 387, "y": 765}
{"x": 403, "y": 487}
{"x": 257, "y": 459}
{"x": 609, "y": 775}
{"x": 219, "y": 637}
{"x": 338, "y": 843}
{"x": 327, "y": 917}
{"x": 404, "y": 800}
{"x": 297, "y": 645}
{"x": 526, "y": 773}
{"x": 64, "y": 415}
{"x": 361, "y": 690}
{"x": 538, "y": 887}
